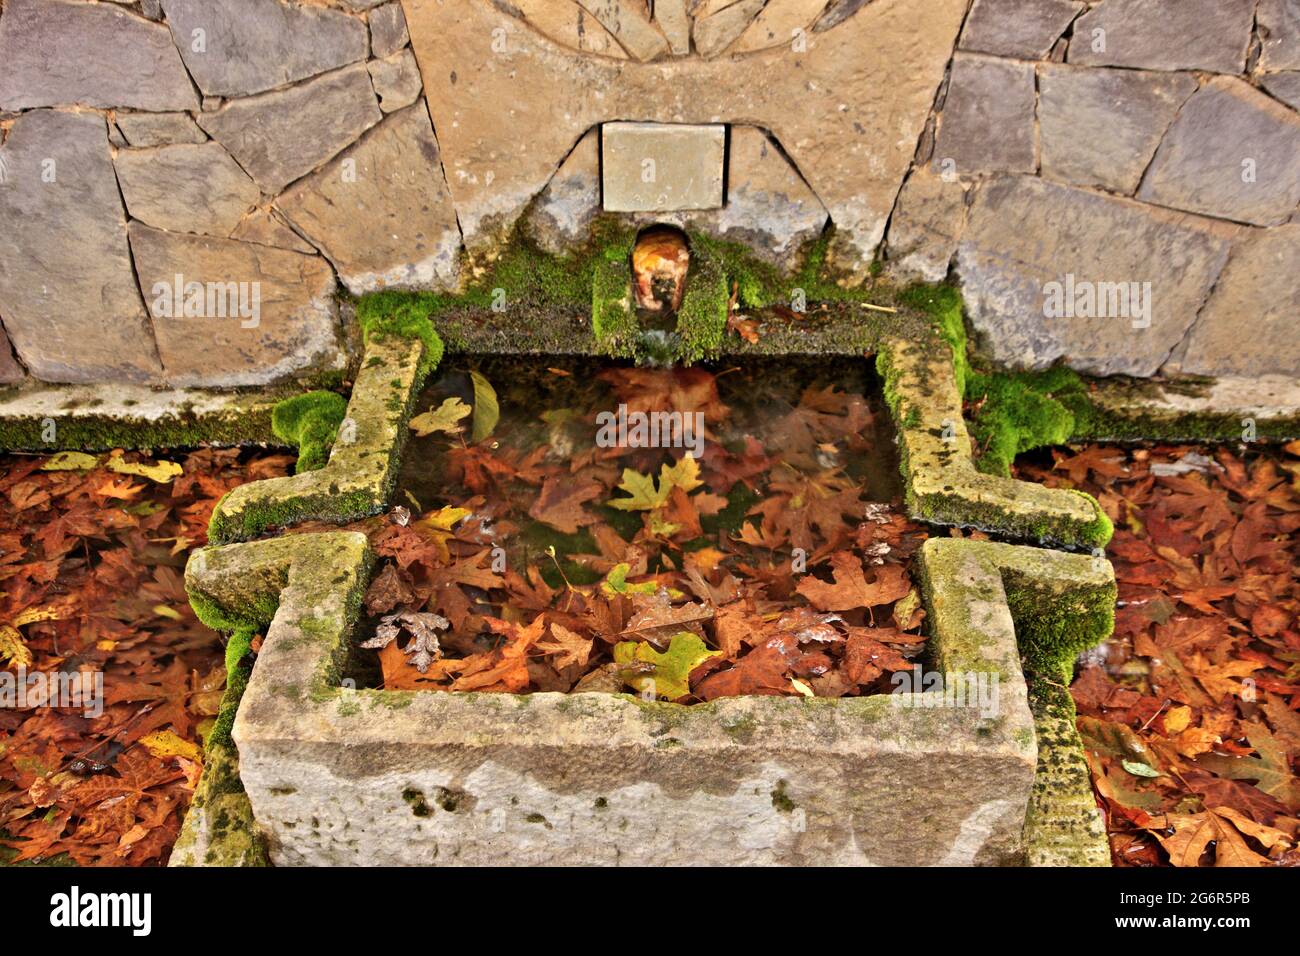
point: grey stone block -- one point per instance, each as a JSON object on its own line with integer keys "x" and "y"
{"x": 987, "y": 124}
{"x": 1024, "y": 29}
{"x": 1211, "y": 35}
{"x": 185, "y": 188}
{"x": 662, "y": 167}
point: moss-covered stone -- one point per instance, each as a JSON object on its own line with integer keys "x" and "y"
{"x": 310, "y": 422}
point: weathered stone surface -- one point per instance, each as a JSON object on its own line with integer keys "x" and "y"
{"x": 1211, "y": 35}
{"x": 1024, "y": 233}
{"x": 278, "y": 137}
{"x": 769, "y": 207}
{"x": 1232, "y": 152}
{"x": 393, "y": 224}
{"x": 387, "y": 29}
{"x": 10, "y": 369}
{"x": 359, "y": 476}
{"x": 987, "y": 123}
{"x": 187, "y": 188}
{"x": 746, "y": 780}
{"x": 878, "y": 70}
{"x": 67, "y": 293}
{"x": 714, "y": 33}
{"x": 1279, "y": 30}
{"x": 263, "y": 227}
{"x": 837, "y": 11}
{"x": 256, "y": 45}
{"x": 396, "y": 80}
{"x": 780, "y": 24}
{"x": 675, "y": 23}
{"x": 941, "y": 483}
{"x": 1247, "y": 327}
{"x": 562, "y": 216}
{"x": 1284, "y": 86}
{"x": 627, "y": 21}
{"x": 569, "y": 25}
{"x": 1025, "y": 29}
{"x": 57, "y": 53}
{"x": 662, "y": 167}
{"x": 1127, "y": 110}
{"x": 290, "y": 326}
{"x": 926, "y": 225}
{"x": 159, "y": 129}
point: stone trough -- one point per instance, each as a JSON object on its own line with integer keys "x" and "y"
{"x": 336, "y": 775}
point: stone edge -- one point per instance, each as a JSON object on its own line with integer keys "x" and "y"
{"x": 941, "y": 483}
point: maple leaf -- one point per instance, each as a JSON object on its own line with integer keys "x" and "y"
{"x": 645, "y": 496}
{"x": 503, "y": 669}
{"x": 851, "y": 588}
{"x": 616, "y": 582}
{"x": 445, "y": 418}
{"x": 656, "y": 619}
{"x": 1269, "y": 770}
{"x": 672, "y": 668}
{"x": 559, "y": 504}
{"x": 567, "y": 647}
{"x": 1193, "y": 834}
{"x": 423, "y": 627}
{"x": 764, "y": 671}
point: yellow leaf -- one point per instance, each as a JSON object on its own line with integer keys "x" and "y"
{"x": 672, "y": 667}
{"x": 70, "y": 461}
{"x": 37, "y": 614}
{"x": 165, "y": 743}
{"x": 445, "y": 418}
{"x": 162, "y": 610}
{"x": 443, "y": 519}
{"x": 645, "y": 496}
{"x": 12, "y": 647}
{"x": 1177, "y": 719}
{"x": 486, "y": 409}
{"x": 161, "y": 472}
{"x": 801, "y": 687}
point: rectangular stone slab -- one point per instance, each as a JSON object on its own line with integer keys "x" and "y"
{"x": 662, "y": 167}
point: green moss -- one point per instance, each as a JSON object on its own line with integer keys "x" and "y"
{"x": 1018, "y": 412}
{"x": 612, "y": 318}
{"x": 239, "y": 667}
{"x": 182, "y": 429}
{"x": 310, "y": 422}
{"x": 702, "y": 319}
{"x": 1054, "y": 628}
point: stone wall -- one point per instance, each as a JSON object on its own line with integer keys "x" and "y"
{"x": 186, "y": 185}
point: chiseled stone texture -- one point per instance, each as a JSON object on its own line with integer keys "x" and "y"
{"x": 396, "y": 80}
{"x": 294, "y": 332}
{"x": 387, "y": 29}
{"x": 714, "y": 33}
{"x": 987, "y": 123}
{"x": 1100, "y": 127}
{"x": 186, "y": 188}
{"x": 569, "y": 25}
{"x": 279, "y": 137}
{"x": 1226, "y": 130}
{"x": 878, "y": 70}
{"x": 67, "y": 293}
{"x": 1211, "y": 35}
{"x": 264, "y": 227}
{"x": 780, "y": 24}
{"x": 1024, "y": 29}
{"x": 57, "y": 53}
{"x": 1279, "y": 28}
{"x": 925, "y": 227}
{"x": 393, "y": 226}
{"x": 1248, "y": 328}
{"x": 159, "y": 129}
{"x": 257, "y": 45}
{"x": 628, "y": 22}
{"x": 1024, "y": 233}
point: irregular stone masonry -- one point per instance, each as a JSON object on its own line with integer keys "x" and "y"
{"x": 1168, "y": 152}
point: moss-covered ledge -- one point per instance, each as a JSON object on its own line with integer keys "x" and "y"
{"x": 241, "y": 588}
{"x": 942, "y": 483}
{"x": 38, "y": 417}
{"x": 362, "y": 467}
{"x": 1061, "y": 604}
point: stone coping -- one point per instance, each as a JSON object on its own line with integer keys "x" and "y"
{"x": 942, "y": 484}
{"x": 45, "y": 418}
{"x": 337, "y": 775}
{"x": 358, "y": 478}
